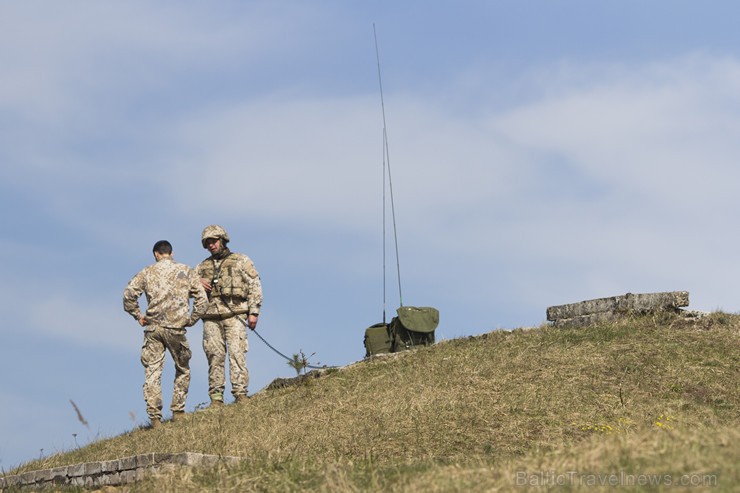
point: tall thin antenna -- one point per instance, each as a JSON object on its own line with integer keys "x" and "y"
{"x": 384, "y": 201}
{"x": 387, "y": 164}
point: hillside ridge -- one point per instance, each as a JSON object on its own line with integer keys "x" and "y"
{"x": 654, "y": 394}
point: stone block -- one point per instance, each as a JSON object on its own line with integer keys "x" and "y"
{"x": 76, "y": 470}
{"x": 162, "y": 458}
{"x": 113, "y": 478}
{"x": 208, "y": 460}
{"x": 59, "y": 475}
{"x": 28, "y": 477}
{"x": 43, "y": 476}
{"x": 11, "y": 481}
{"x": 230, "y": 460}
{"x": 92, "y": 468}
{"x": 144, "y": 460}
{"x": 127, "y": 476}
{"x": 107, "y": 466}
{"x": 585, "y": 320}
{"x": 113, "y": 472}
{"x": 186, "y": 459}
{"x": 590, "y": 311}
{"x": 127, "y": 463}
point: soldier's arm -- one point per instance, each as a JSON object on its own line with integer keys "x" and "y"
{"x": 198, "y": 293}
{"x": 254, "y": 294}
{"x": 206, "y": 283}
{"x": 131, "y": 294}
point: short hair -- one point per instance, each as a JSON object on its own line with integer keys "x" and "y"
{"x": 162, "y": 247}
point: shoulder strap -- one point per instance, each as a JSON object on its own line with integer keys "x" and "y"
{"x": 217, "y": 269}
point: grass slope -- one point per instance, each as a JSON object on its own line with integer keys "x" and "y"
{"x": 642, "y": 403}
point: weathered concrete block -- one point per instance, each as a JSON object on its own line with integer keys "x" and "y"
{"x": 128, "y": 476}
{"x": 113, "y": 478}
{"x": 28, "y": 477}
{"x": 608, "y": 308}
{"x": 107, "y": 466}
{"x": 160, "y": 458}
{"x": 43, "y": 476}
{"x": 186, "y": 459}
{"x": 127, "y": 463}
{"x": 586, "y": 320}
{"x": 112, "y": 472}
{"x": 76, "y": 470}
{"x": 92, "y": 468}
{"x": 59, "y": 475}
{"x": 11, "y": 481}
{"x": 144, "y": 460}
{"x": 208, "y": 460}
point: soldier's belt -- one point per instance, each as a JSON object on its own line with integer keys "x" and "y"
{"x": 151, "y": 327}
{"x": 221, "y": 316}
{"x": 232, "y": 300}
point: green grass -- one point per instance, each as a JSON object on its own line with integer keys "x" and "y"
{"x": 643, "y": 399}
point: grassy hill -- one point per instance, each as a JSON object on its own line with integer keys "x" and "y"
{"x": 633, "y": 403}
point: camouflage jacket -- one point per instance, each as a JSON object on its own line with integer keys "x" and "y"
{"x": 236, "y": 286}
{"x": 168, "y": 286}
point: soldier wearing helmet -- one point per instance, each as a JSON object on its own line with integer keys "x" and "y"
{"x": 214, "y": 231}
{"x": 235, "y": 297}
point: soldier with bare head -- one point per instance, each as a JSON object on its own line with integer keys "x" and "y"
{"x": 168, "y": 286}
{"x": 235, "y": 294}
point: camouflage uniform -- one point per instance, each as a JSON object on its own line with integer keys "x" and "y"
{"x": 236, "y": 294}
{"x": 168, "y": 286}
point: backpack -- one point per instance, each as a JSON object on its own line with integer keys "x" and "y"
{"x": 377, "y": 340}
{"x": 414, "y": 326}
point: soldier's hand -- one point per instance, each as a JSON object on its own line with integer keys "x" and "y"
{"x": 143, "y": 322}
{"x": 206, "y": 284}
{"x": 252, "y": 321}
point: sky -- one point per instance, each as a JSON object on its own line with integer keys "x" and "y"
{"x": 541, "y": 152}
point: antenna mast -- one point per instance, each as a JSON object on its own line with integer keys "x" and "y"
{"x": 387, "y": 165}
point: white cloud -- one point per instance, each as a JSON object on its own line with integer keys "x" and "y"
{"x": 70, "y": 312}
{"x": 65, "y": 52}
{"x": 658, "y": 129}
{"x": 605, "y": 176}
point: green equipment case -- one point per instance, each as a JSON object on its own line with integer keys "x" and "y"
{"x": 413, "y": 326}
{"x": 377, "y": 340}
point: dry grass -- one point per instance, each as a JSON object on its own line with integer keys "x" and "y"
{"x": 651, "y": 395}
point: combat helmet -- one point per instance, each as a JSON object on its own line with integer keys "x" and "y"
{"x": 214, "y": 231}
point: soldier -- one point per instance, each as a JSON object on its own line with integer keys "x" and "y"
{"x": 168, "y": 286}
{"x": 235, "y": 294}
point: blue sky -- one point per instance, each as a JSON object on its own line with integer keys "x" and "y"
{"x": 542, "y": 153}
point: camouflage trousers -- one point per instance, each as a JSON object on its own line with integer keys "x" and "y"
{"x": 156, "y": 340}
{"x": 222, "y": 337}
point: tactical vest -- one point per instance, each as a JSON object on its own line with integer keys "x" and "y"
{"x": 226, "y": 280}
